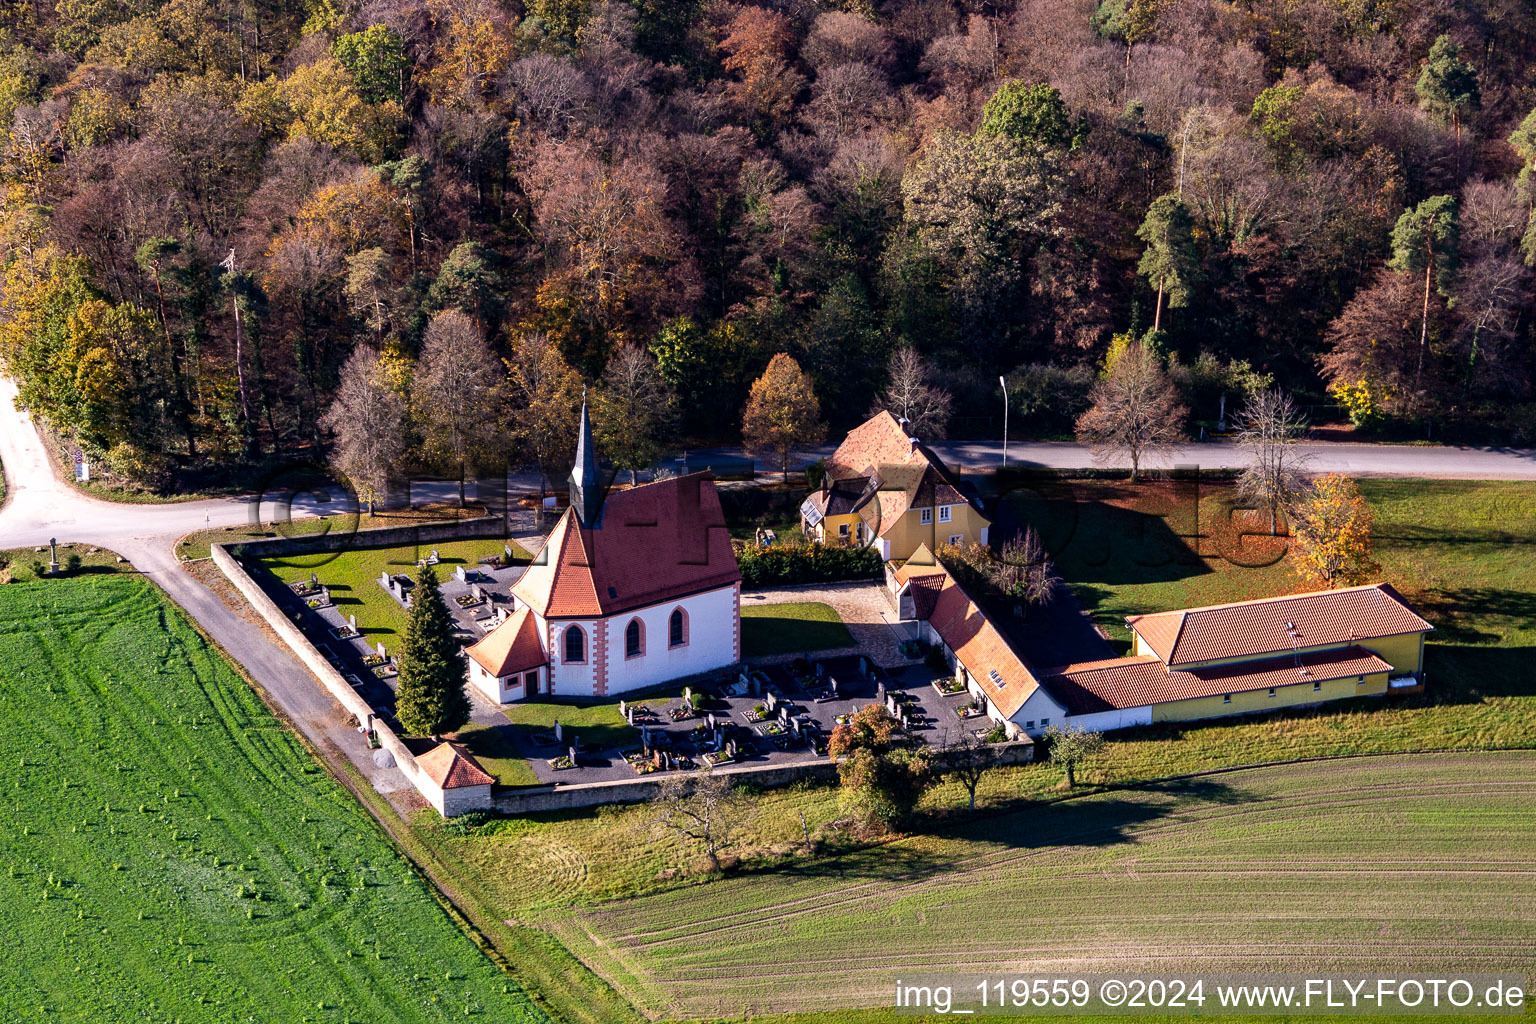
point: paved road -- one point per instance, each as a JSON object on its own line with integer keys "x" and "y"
{"x": 1322, "y": 456}
{"x": 39, "y": 507}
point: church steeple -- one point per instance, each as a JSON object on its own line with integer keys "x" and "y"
{"x": 586, "y": 485}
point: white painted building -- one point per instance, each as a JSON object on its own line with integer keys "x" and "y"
{"x": 631, "y": 589}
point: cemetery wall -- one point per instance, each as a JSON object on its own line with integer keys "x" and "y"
{"x": 387, "y": 537}
{"x": 532, "y": 799}
{"x": 338, "y": 687}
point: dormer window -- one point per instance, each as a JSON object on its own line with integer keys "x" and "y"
{"x": 925, "y": 516}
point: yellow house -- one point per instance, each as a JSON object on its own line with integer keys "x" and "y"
{"x": 1231, "y": 659}
{"x": 890, "y": 491}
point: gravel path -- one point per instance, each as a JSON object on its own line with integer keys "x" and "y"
{"x": 864, "y": 609}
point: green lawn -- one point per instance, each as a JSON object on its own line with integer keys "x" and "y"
{"x": 353, "y": 578}
{"x": 170, "y": 851}
{"x": 768, "y": 629}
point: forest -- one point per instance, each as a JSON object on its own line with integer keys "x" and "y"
{"x": 235, "y": 230}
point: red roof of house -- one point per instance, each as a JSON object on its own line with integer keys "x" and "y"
{"x": 1250, "y": 628}
{"x": 986, "y": 654}
{"x": 1141, "y": 681}
{"x": 451, "y": 767}
{"x": 878, "y": 441}
{"x": 656, "y": 542}
{"x": 908, "y": 474}
{"x": 511, "y": 647}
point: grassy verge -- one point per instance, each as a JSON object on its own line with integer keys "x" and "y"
{"x": 170, "y": 845}
{"x": 768, "y": 629}
{"x": 19, "y": 565}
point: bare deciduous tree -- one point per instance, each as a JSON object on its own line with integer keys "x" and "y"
{"x": 457, "y": 394}
{"x": 1136, "y": 411}
{"x": 909, "y": 396}
{"x": 1270, "y": 427}
{"x": 967, "y": 758}
{"x": 1025, "y": 571}
{"x": 703, "y": 807}
{"x": 635, "y": 409}
{"x": 367, "y": 418}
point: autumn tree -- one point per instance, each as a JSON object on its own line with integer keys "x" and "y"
{"x": 782, "y": 412}
{"x": 1331, "y": 524}
{"x": 545, "y": 398}
{"x": 1170, "y": 262}
{"x": 1135, "y": 412}
{"x": 636, "y": 408}
{"x": 911, "y": 395}
{"x": 883, "y": 770}
{"x": 367, "y": 418}
{"x": 456, "y": 393}
{"x": 430, "y": 699}
{"x": 1269, "y": 426}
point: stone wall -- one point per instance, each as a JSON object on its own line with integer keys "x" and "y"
{"x": 388, "y": 537}
{"x": 533, "y": 799}
{"x": 334, "y": 684}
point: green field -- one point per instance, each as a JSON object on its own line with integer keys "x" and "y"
{"x": 768, "y": 629}
{"x": 353, "y": 578}
{"x": 1395, "y": 865}
{"x": 170, "y": 851}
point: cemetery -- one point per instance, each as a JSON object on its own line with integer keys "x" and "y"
{"x": 352, "y": 640}
{"x": 765, "y": 716}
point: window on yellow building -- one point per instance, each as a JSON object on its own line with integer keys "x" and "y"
{"x": 1226, "y": 698}
{"x": 943, "y": 513}
{"x": 1271, "y": 691}
{"x": 925, "y": 516}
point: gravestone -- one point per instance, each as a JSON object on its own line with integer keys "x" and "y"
{"x": 352, "y": 621}
{"x": 572, "y": 755}
{"x": 688, "y": 693}
{"x": 386, "y": 581}
{"x": 794, "y": 727}
{"x": 629, "y": 715}
{"x": 833, "y": 682}
{"x": 752, "y": 683}
{"x": 821, "y": 670}
{"x": 558, "y": 731}
{"x": 711, "y": 720}
{"x": 381, "y": 648}
{"x": 53, "y": 554}
{"x": 506, "y": 551}
{"x": 772, "y": 701}
{"x": 880, "y": 692}
{"x": 623, "y": 709}
{"x": 432, "y": 559}
{"x": 314, "y": 581}
{"x": 458, "y": 573}
{"x": 784, "y": 713}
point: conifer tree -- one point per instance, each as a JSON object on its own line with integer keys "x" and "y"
{"x": 431, "y": 698}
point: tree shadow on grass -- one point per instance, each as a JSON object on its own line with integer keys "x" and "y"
{"x": 1458, "y": 612}
{"x": 1095, "y": 820}
{"x": 1468, "y": 674}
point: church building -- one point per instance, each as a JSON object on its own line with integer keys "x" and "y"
{"x": 633, "y": 587}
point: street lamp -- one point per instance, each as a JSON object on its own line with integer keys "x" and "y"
{"x": 1004, "y": 383}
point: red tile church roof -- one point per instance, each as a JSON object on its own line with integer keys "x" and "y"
{"x": 653, "y": 543}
